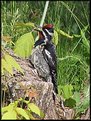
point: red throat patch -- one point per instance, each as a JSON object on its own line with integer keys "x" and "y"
{"x": 40, "y": 35}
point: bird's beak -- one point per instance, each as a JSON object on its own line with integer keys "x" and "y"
{"x": 38, "y": 29}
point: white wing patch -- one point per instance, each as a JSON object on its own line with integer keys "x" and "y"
{"x": 49, "y": 56}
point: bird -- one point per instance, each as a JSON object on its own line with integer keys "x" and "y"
{"x": 49, "y": 50}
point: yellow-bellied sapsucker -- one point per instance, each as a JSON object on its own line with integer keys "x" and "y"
{"x": 44, "y": 59}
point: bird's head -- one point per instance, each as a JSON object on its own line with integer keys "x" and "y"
{"x": 46, "y": 31}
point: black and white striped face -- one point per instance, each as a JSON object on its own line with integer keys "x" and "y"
{"x": 48, "y": 33}
{"x": 45, "y": 34}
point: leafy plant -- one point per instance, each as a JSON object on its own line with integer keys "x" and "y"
{"x": 66, "y": 91}
{"x": 29, "y": 24}
{"x": 8, "y": 63}
{"x": 24, "y": 45}
{"x": 35, "y": 109}
{"x": 70, "y": 103}
{"x": 12, "y": 111}
{"x": 64, "y": 34}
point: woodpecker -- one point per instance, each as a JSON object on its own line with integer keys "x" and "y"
{"x": 49, "y": 50}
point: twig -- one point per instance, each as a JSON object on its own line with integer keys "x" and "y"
{"x": 43, "y": 16}
{"x": 44, "y": 13}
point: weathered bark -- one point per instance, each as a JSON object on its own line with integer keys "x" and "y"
{"x": 87, "y": 115}
{"x": 31, "y": 85}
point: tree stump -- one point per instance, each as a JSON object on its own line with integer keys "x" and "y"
{"x": 31, "y": 85}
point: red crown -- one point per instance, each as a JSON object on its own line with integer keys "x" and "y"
{"x": 48, "y": 26}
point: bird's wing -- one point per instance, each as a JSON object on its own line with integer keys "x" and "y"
{"x": 51, "y": 60}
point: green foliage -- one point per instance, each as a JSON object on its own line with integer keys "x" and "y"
{"x": 22, "y": 112}
{"x": 59, "y": 32}
{"x": 85, "y": 40}
{"x": 73, "y": 66}
{"x": 8, "y": 110}
{"x": 9, "y": 115}
{"x": 8, "y": 63}
{"x": 76, "y": 97}
{"x": 65, "y": 91}
{"x": 55, "y": 37}
{"x": 29, "y": 24}
{"x": 74, "y": 100}
{"x": 64, "y": 34}
{"x": 82, "y": 103}
{"x": 70, "y": 103}
{"x": 24, "y": 45}
{"x": 7, "y": 68}
{"x": 35, "y": 109}
{"x": 12, "y": 111}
